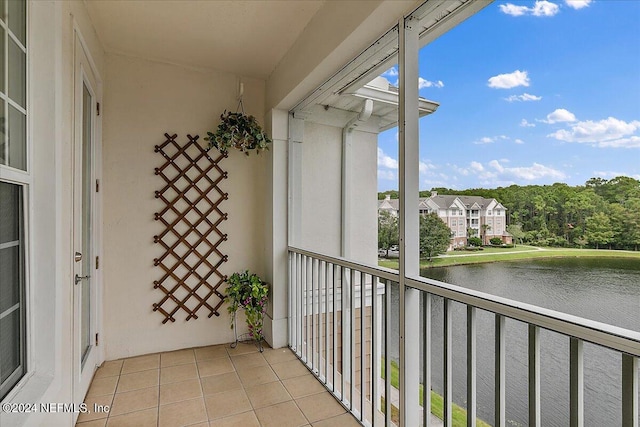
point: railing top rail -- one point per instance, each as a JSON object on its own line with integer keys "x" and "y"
{"x": 381, "y": 272}
{"x": 610, "y": 336}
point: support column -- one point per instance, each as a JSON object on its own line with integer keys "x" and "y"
{"x": 275, "y": 323}
{"x": 409, "y": 221}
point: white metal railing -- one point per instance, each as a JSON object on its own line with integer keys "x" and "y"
{"x": 330, "y": 296}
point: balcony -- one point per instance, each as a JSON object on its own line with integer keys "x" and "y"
{"x": 328, "y": 327}
{"x": 211, "y": 386}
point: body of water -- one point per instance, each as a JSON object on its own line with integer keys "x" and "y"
{"x": 605, "y": 290}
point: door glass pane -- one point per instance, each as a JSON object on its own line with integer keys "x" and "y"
{"x": 17, "y": 19}
{"x": 87, "y": 188}
{"x": 12, "y": 339}
{"x": 17, "y": 74}
{"x": 17, "y": 139}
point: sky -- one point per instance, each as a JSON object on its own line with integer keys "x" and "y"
{"x": 530, "y": 92}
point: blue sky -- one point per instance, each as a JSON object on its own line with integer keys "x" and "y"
{"x": 530, "y": 92}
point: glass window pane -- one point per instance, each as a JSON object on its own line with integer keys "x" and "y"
{"x": 10, "y": 277}
{"x": 10, "y": 348}
{"x": 9, "y": 213}
{"x": 17, "y": 74}
{"x": 87, "y": 181}
{"x": 17, "y": 139}
{"x": 2, "y": 12}
{"x": 12, "y": 339}
{"x": 17, "y": 19}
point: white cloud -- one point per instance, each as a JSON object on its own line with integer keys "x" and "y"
{"x": 490, "y": 139}
{"x": 611, "y": 174}
{"x": 577, "y": 4}
{"x": 633, "y": 142}
{"x": 518, "y": 141}
{"x": 423, "y": 83}
{"x": 386, "y": 175}
{"x": 386, "y": 161}
{"x": 509, "y": 80}
{"x": 425, "y": 167}
{"x": 609, "y": 132}
{"x": 540, "y": 8}
{"x": 477, "y": 166}
{"x": 527, "y": 173}
{"x": 391, "y": 72}
{"x": 524, "y": 98}
{"x": 545, "y": 8}
{"x": 525, "y": 124}
{"x": 560, "y": 115}
{"x": 513, "y": 10}
{"x": 496, "y": 165}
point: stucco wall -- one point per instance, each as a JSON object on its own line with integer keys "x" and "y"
{"x": 143, "y": 100}
{"x": 321, "y": 201}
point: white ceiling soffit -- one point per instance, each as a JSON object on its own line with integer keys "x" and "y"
{"x": 241, "y": 37}
{"x": 435, "y": 18}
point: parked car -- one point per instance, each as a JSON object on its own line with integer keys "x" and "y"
{"x": 383, "y": 253}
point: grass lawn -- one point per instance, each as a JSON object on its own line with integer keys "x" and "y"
{"x": 459, "y": 414}
{"x": 459, "y": 258}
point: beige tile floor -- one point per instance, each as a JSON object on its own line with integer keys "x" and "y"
{"x": 213, "y": 386}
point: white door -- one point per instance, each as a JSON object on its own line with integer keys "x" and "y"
{"x": 85, "y": 290}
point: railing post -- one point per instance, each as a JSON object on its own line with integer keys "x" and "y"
{"x": 500, "y": 372}
{"x": 448, "y": 365}
{"x": 387, "y": 359}
{"x": 534, "y": 376}
{"x": 471, "y": 366}
{"x": 426, "y": 359}
{"x": 576, "y": 383}
{"x": 629, "y": 391}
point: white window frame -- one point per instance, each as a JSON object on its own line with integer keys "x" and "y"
{"x": 24, "y": 179}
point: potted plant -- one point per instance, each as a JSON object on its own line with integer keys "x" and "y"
{"x": 240, "y": 131}
{"x": 249, "y": 292}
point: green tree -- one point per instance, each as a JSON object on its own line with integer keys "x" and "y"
{"x": 516, "y": 231}
{"x": 598, "y": 229}
{"x": 435, "y": 236}
{"x": 387, "y": 230}
{"x": 483, "y": 229}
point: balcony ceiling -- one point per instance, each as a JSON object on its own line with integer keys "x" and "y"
{"x": 248, "y": 38}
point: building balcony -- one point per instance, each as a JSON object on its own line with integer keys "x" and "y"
{"x": 347, "y": 321}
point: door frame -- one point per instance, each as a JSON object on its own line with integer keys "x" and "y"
{"x": 85, "y": 73}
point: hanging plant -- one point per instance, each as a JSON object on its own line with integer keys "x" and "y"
{"x": 239, "y": 131}
{"x": 249, "y": 292}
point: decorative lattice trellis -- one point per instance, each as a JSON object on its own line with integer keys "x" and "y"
{"x": 191, "y": 237}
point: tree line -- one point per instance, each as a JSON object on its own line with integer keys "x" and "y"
{"x": 600, "y": 213}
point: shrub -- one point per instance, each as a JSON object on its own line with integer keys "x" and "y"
{"x": 495, "y": 241}
{"x": 474, "y": 241}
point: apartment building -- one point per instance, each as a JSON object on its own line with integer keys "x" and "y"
{"x": 466, "y": 216}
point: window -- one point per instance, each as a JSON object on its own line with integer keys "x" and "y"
{"x": 489, "y": 213}
{"x": 12, "y": 272}
{"x": 14, "y": 183}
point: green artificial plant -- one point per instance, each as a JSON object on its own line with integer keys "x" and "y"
{"x": 249, "y": 292}
{"x": 239, "y": 131}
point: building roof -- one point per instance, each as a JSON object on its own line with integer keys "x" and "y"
{"x": 445, "y": 202}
